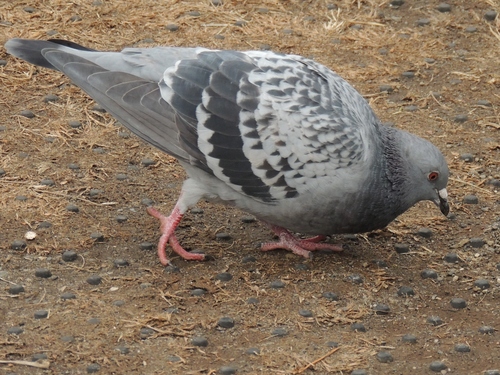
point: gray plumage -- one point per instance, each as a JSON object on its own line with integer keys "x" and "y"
{"x": 280, "y": 136}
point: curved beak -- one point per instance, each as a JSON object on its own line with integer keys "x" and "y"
{"x": 442, "y": 202}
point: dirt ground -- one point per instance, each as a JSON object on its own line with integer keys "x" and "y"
{"x": 444, "y": 77}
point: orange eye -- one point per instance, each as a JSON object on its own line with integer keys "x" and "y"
{"x": 433, "y": 176}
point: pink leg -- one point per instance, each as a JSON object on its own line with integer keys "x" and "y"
{"x": 167, "y": 228}
{"x": 304, "y": 247}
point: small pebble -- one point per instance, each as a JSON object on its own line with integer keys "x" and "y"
{"x": 429, "y": 274}
{"x": 119, "y": 303}
{"x": 146, "y": 332}
{"x": 279, "y": 332}
{"x": 43, "y": 273}
{"x": 121, "y": 177}
{"x": 492, "y": 372}
{"x": 27, "y": 113}
{"x": 172, "y": 27}
{"x": 147, "y": 202}
{"x": 221, "y": 236}
{"x": 146, "y": 246}
{"x": 402, "y": 248}
{"x": 224, "y": 276}
{"x": 358, "y": 327}
{"x": 95, "y": 192}
{"x": 386, "y": 88}
{"x": 199, "y": 341}
{"x": 435, "y": 320}
{"x": 240, "y": 23}
{"x": 94, "y": 321}
{"x": 444, "y": 8}
{"x": 198, "y": 292}
{"x": 471, "y": 199}
{"x": 248, "y": 259}
{"x": 486, "y": 330}
{"x": 476, "y": 242}
{"x": 173, "y": 358}
{"x": 93, "y": 368}
{"x": 451, "y": 258}
{"x": 332, "y": 344}
{"x": 227, "y": 370}
{"x": 380, "y": 263}
{"x": 73, "y": 166}
{"x": 408, "y": 74}
{"x": 429, "y": 60}
{"x": 50, "y": 98}
{"x": 494, "y": 182}
{"x": 330, "y": 296}
{"x": 226, "y": 322}
{"x": 94, "y": 280}
{"x": 470, "y": 29}
{"x": 253, "y": 351}
{"x": 98, "y": 108}
{"x": 423, "y": 22}
{"x": 72, "y": 208}
{"x": 248, "y": 219}
{"x": 121, "y": 218}
{"x": 482, "y": 284}
{"x": 47, "y": 182}
{"x": 120, "y": 263}
{"x": 469, "y": 158}
{"x": 397, "y": 3}
{"x": 384, "y": 357}
{"x": 409, "y": 338}
{"x": 44, "y": 225}
{"x": 360, "y": 371}
{"x": 405, "y": 291}
{"x": 490, "y": 15}
{"x": 67, "y": 338}
{"x": 484, "y": 103}
{"x": 21, "y": 198}
{"x": 356, "y": 279}
{"x": 305, "y": 313}
{"x": 2, "y": 172}
{"x": 41, "y": 314}
{"x": 301, "y": 267}
{"x": 217, "y": 2}
{"x": 277, "y": 284}
{"x": 18, "y": 245}
{"x": 425, "y": 232}
{"x": 462, "y": 348}
{"x": 437, "y": 366}
{"x": 68, "y": 295}
{"x": 16, "y": 289}
{"x": 75, "y": 124}
{"x": 69, "y": 256}
{"x": 264, "y": 47}
{"x": 147, "y": 162}
{"x": 96, "y": 236}
{"x": 15, "y": 331}
{"x": 39, "y": 356}
{"x": 411, "y": 108}
{"x": 381, "y": 309}
{"x": 461, "y": 118}
{"x": 458, "y": 303}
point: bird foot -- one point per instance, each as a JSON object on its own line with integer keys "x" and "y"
{"x": 302, "y": 247}
{"x": 167, "y": 229}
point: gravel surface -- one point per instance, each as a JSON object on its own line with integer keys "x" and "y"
{"x": 82, "y": 290}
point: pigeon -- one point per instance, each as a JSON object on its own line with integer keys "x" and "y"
{"x": 279, "y": 136}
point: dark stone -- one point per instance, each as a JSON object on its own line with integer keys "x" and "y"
{"x": 437, "y": 366}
